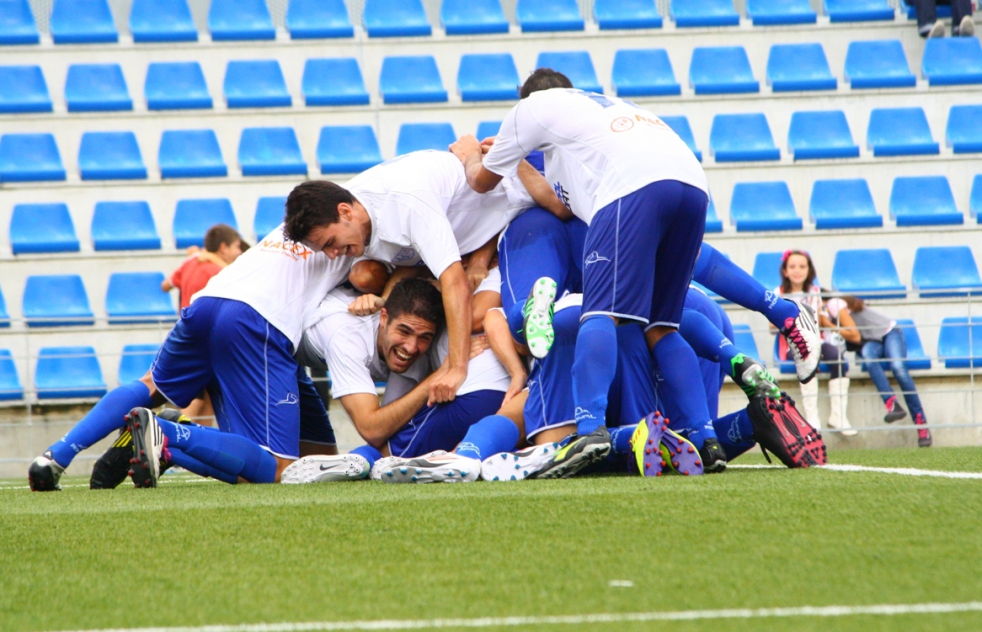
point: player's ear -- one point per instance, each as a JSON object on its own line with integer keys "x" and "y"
{"x": 383, "y": 317}
{"x": 344, "y": 211}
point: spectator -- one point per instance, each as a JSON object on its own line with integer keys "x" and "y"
{"x": 881, "y": 338}
{"x": 798, "y": 282}
{"x": 223, "y": 245}
{"x": 928, "y": 24}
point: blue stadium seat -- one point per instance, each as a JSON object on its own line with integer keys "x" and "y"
{"x": 395, "y": 18}
{"x": 136, "y": 297}
{"x": 793, "y": 67}
{"x": 96, "y": 88}
{"x": 270, "y": 151}
{"x": 190, "y": 153}
{"x": 347, "y": 148}
{"x": 473, "y": 17}
{"x": 767, "y": 269}
{"x": 940, "y": 269}
{"x": 549, "y": 15}
{"x": 975, "y": 200}
{"x": 626, "y": 14}
{"x": 269, "y": 215}
{"x": 680, "y": 125}
{"x": 10, "y": 387}
{"x": 124, "y": 226}
{"x": 412, "y": 79}
{"x": 960, "y": 342}
{"x": 135, "y": 361}
{"x": 256, "y": 84}
{"x": 763, "y": 206}
{"x": 821, "y": 135}
{"x": 317, "y": 19}
{"x": 900, "y": 132}
{"x": 867, "y": 274}
{"x": 964, "y": 131}
{"x": 858, "y": 10}
{"x": 240, "y": 20}
{"x": 162, "y": 21}
{"x": 29, "y": 158}
{"x": 176, "y": 86}
{"x": 713, "y": 222}
{"x": 771, "y": 12}
{"x": 721, "y": 70}
{"x": 4, "y": 316}
{"x": 17, "y": 24}
{"x": 644, "y": 72}
{"x": 736, "y": 137}
{"x": 576, "y": 65}
{"x": 57, "y": 300}
{"x": 420, "y": 136}
{"x": 335, "y": 81}
{"x": 82, "y": 22}
{"x": 878, "y": 64}
{"x": 68, "y": 373}
{"x": 488, "y": 77}
{"x": 916, "y": 358}
{"x": 703, "y": 13}
{"x": 487, "y": 128}
{"x": 743, "y": 340}
{"x": 38, "y": 228}
{"x": 843, "y": 204}
{"x": 193, "y": 218}
{"x": 110, "y": 156}
{"x": 23, "y": 89}
{"x": 952, "y": 61}
{"x": 923, "y": 201}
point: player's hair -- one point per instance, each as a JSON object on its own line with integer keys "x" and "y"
{"x": 544, "y": 79}
{"x": 418, "y": 298}
{"x": 311, "y": 204}
{"x": 786, "y": 282}
{"x": 221, "y": 234}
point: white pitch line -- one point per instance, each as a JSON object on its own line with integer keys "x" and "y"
{"x": 86, "y": 485}
{"x": 583, "y": 619}
{"x": 903, "y": 471}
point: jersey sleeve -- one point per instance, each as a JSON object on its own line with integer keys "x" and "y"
{"x": 348, "y": 355}
{"x": 520, "y": 133}
{"x": 397, "y": 386}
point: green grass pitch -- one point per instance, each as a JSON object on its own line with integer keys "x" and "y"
{"x": 194, "y": 554}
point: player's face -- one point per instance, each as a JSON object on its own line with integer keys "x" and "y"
{"x": 403, "y": 339}
{"x": 797, "y": 269}
{"x": 346, "y": 238}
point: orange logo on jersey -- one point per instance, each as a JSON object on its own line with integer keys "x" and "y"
{"x": 621, "y": 124}
{"x": 651, "y": 121}
{"x": 289, "y": 248}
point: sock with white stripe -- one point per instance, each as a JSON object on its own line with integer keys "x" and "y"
{"x": 492, "y": 435}
{"x": 230, "y": 453}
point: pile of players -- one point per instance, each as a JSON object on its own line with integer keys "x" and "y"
{"x": 528, "y": 321}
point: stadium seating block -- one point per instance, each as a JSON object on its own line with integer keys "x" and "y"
{"x": 68, "y": 373}
{"x": 29, "y": 158}
{"x": 694, "y": 13}
{"x": 858, "y": 10}
{"x": 576, "y": 65}
{"x": 17, "y": 25}
{"x": 4, "y": 316}
{"x": 792, "y": 67}
{"x": 867, "y": 273}
{"x": 10, "y": 387}
{"x": 36, "y": 228}
{"x": 162, "y": 21}
{"x": 488, "y": 77}
{"x": 843, "y": 204}
{"x": 900, "y": 132}
{"x": 135, "y": 361}
{"x": 644, "y": 72}
{"x": 269, "y": 215}
{"x": 255, "y": 84}
{"x": 763, "y": 206}
{"x": 487, "y": 128}
{"x": 960, "y": 342}
{"x": 318, "y": 19}
{"x": 626, "y": 14}
{"x": 743, "y": 340}
{"x": 940, "y": 269}
{"x": 767, "y": 269}
{"x": 549, "y": 15}
{"x": 878, "y": 64}
{"x": 333, "y": 81}
{"x": 82, "y": 22}
{"x": 347, "y": 149}
{"x": 824, "y": 134}
{"x": 176, "y": 86}
{"x": 136, "y": 297}
{"x": 23, "y": 89}
{"x": 473, "y": 17}
{"x": 680, "y": 125}
{"x": 270, "y": 151}
{"x": 917, "y": 359}
{"x": 952, "y": 61}
{"x": 57, "y": 300}
{"x": 193, "y": 218}
{"x": 738, "y": 137}
{"x": 395, "y": 18}
{"x": 190, "y": 153}
{"x": 124, "y": 226}
{"x": 110, "y": 156}
{"x": 96, "y": 88}
{"x": 411, "y": 79}
{"x": 923, "y": 201}
{"x": 420, "y": 136}
{"x": 713, "y": 222}
{"x": 721, "y": 70}
{"x": 240, "y": 20}
{"x": 964, "y": 131}
{"x": 774, "y": 12}
{"x": 975, "y": 199}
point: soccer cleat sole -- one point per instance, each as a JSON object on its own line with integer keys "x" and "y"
{"x": 325, "y": 469}
{"x": 145, "y": 465}
{"x": 593, "y": 453}
{"x": 40, "y": 477}
{"x": 537, "y": 327}
{"x": 517, "y": 466}
{"x": 420, "y": 470}
{"x": 791, "y": 439}
{"x": 680, "y": 455}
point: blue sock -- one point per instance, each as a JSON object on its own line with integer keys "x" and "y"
{"x": 195, "y": 466}
{"x": 706, "y": 339}
{"x": 102, "y": 420}
{"x": 736, "y": 433}
{"x": 620, "y": 439}
{"x": 369, "y": 453}
{"x": 230, "y": 453}
{"x": 490, "y": 436}
{"x": 594, "y": 368}
{"x": 683, "y": 381}
{"x": 732, "y": 282}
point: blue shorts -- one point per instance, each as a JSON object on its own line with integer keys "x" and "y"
{"x": 245, "y": 363}
{"x": 315, "y": 425}
{"x": 443, "y": 426}
{"x": 640, "y": 251}
{"x": 538, "y": 244}
{"x": 713, "y": 373}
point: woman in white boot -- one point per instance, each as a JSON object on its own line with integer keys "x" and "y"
{"x": 798, "y": 282}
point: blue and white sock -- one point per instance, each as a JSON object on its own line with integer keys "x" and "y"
{"x": 492, "y": 435}
{"x": 594, "y": 369}
{"x": 683, "y": 382}
{"x": 230, "y": 453}
{"x": 735, "y": 433}
{"x": 369, "y": 453}
{"x": 179, "y": 458}
{"x": 706, "y": 339}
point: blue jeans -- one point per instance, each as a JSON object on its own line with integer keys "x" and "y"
{"x": 893, "y": 349}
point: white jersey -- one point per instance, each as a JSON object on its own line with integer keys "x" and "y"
{"x": 597, "y": 148}
{"x": 424, "y": 212}
{"x": 282, "y": 280}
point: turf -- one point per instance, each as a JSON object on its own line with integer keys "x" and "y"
{"x": 192, "y": 553}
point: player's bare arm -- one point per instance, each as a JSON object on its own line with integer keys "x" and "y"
{"x": 503, "y": 346}
{"x": 479, "y": 261}
{"x": 457, "y": 307}
{"x": 543, "y": 194}
{"x": 468, "y": 151}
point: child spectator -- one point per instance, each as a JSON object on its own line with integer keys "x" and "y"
{"x": 882, "y": 339}
{"x": 223, "y": 245}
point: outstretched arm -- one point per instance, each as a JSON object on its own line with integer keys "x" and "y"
{"x": 377, "y": 423}
{"x": 503, "y": 346}
{"x": 457, "y": 307}
{"x": 468, "y": 150}
{"x": 543, "y": 194}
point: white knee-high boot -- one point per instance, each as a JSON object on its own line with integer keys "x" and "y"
{"x": 809, "y": 403}
{"x": 839, "y": 402}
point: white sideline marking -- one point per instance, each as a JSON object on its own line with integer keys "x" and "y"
{"x": 7, "y": 486}
{"x": 903, "y": 471}
{"x": 579, "y": 619}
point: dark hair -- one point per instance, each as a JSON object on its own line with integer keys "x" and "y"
{"x": 544, "y": 79}
{"x": 221, "y": 234}
{"x": 418, "y": 298}
{"x": 854, "y": 303}
{"x": 311, "y": 204}
{"x": 786, "y": 282}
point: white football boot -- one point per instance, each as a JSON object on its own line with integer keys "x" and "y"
{"x": 432, "y": 468}
{"x": 517, "y": 466}
{"x": 324, "y": 468}
{"x": 804, "y": 341}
